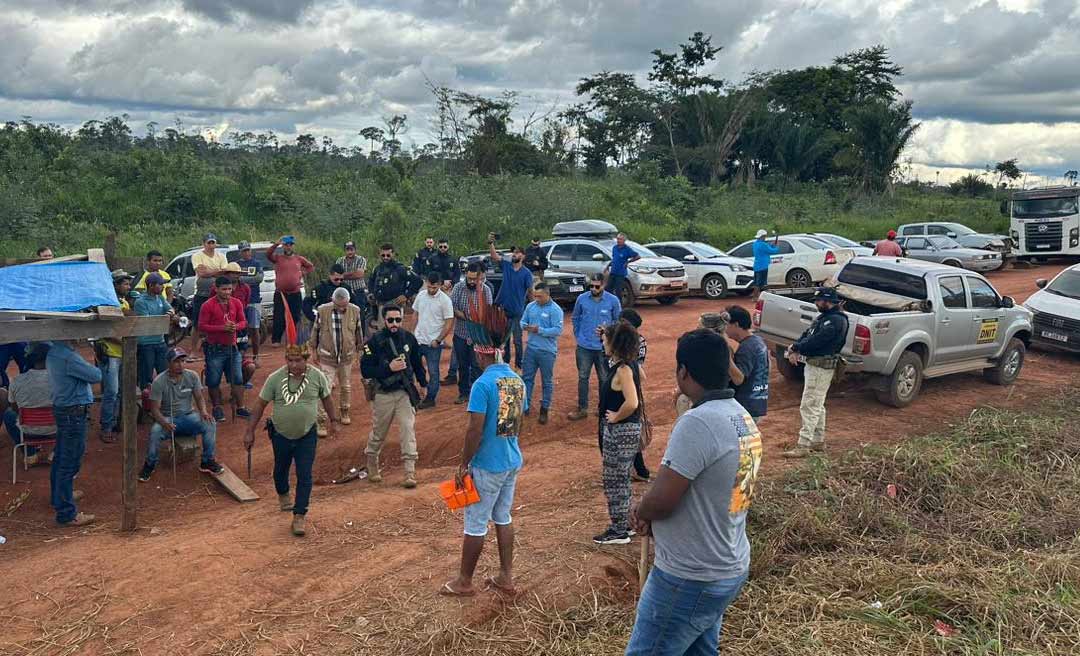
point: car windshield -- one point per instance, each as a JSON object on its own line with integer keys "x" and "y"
{"x": 1044, "y": 207}
{"x": 959, "y": 229}
{"x": 704, "y": 250}
{"x": 943, "y": 243}
{"x": 837, "y": 240}
{"x": 639, "y": 249}
{"x": 258, "y": 253}
{"x": 1067, "y": 284}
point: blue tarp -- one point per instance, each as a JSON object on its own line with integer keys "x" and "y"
{"x": 56, "y": 287}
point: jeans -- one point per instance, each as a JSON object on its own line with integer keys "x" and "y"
{"x": 680, "y": 616}
{"x": 468, "y": 371}
{"x": 515, "y": 329}
{"x": 15, "y": 351}
{"x": 586, "y": 360}
{"x": 152, "y": 360}
{"x": 452, "y": 369}
{"x": 11, "y": 423}
{"x": 220, "y": 359}
{"x": 301, "y": 451}
{"x": 71, "y": 422}
{"x": 614, "y": 283}
{"x": 544, "y": 361}
{"x": 190, "y": 424}
{"x": 432, "y": 359}
{"x": 295, "y": 301}
{"x": 496, "y": 490}
{"x": 110, "y": 394}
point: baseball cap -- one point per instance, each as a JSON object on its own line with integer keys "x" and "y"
{"x": 288, "y": 239}
{"x": 232, "y": 267}
{"x": 891, "y": 234}
{"x": 243, "y": 246}
{"x": 350, "y": 244}
{"x": 175, "y": 353}
{"x": 155, "y": 279}
{"x": 210, "y": 237}
{"x": 120, "y": 274}
{"x": 826, "y": 294}
{"x": 760, "y": 233}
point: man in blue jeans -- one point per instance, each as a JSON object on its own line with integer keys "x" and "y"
{"x": 763, "y": 252}
{"x": 593, "y": 310}
{"x": 696, "y": 509}
{"x": 174, "y": 397}
{"x": 109, "y": 355}
{"x": 543, "y": 320}
{"x": 434, "y": 324}
{"x": 514, "y": 293}
{"x": 70, "y": 378}
{"x": 151, "y": 348}
{"x": 621, "y": 256}
{"x": 492, "y": 457}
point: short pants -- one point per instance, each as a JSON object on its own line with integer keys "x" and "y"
{"x": 761, "y": 278}
{"x": 496, "y": 490}
{"x": 253, "y": 315}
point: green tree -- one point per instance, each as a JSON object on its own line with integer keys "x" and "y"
{"x": 971, "y": 185}
{"x": 1007, "y": 170}
{"x": 878, "y": 133}
{"x": 372, "y": 134}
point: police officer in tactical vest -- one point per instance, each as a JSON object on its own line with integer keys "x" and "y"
{"x": 819, "y": 348}
{"x": 391, "y": 282}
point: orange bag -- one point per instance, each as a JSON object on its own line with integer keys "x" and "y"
{"x": 457, "y": 498}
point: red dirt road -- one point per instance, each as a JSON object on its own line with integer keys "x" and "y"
{"x": 206, "y": 575}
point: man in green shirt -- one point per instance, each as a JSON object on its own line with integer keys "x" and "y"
{"x": 296, "y": 391}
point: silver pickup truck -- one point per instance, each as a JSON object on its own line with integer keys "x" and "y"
{"x": 907, "y": 320}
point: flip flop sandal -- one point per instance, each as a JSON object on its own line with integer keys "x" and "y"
{"x": 447, "y": 591}
{"x": 492, "y": 583}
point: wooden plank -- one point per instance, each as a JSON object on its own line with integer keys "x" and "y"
{"x": 109, "y": 311}
{"x": 129, "y": 438}
{"x": 39, "y": 330}
{"x": 234, "y": 486}
{"x": 44, "y": 314}
{"x": 80, "y": 257}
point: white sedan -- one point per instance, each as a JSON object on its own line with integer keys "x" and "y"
{"x": 803, "y": 261}
{"x": 709, "y": 270}
{"x": 856, "y": 248}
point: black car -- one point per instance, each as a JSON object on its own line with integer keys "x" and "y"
{"x": 564, "y": 287}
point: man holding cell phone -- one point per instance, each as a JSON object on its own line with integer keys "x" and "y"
{"x": 289, "y": 270}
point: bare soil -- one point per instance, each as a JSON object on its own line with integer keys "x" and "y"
{"x": 204, "y": 574}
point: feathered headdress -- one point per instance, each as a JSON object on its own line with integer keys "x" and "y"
{"x": 486, "y": 325}
{"x": 292, "y": 348}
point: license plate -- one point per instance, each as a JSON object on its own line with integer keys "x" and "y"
{"x": 1057, "y": 337}
{"x": 576, "y": 288}
{"x": 676, "y": 283}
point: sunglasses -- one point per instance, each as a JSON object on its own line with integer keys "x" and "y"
{"x": 596, "y": 286}
{"x": 386, "y": 256}
{"x": 394, "y": 319}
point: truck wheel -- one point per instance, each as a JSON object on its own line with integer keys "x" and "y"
{"x": 667, "y": 300}
{"x": 1009, "y": 365}
{"x": 714, "y": 286}
{"x": 793, "y": 372}
{"x": 799, "y": 278}
{"x": 905, "y": 382}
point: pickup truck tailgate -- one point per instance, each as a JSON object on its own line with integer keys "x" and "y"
{"x": 784, "y": 316}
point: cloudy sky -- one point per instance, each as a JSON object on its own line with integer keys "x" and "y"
{"x": 990, "y": 79}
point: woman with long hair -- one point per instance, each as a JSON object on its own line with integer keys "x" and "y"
{"x": 622, "y": 421}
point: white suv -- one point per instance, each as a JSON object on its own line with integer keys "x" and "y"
{"x": 585, "y": 247}
{"x": 183, "y": 274}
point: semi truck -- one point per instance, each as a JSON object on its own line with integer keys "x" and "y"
{"x": 1045, "y": 221}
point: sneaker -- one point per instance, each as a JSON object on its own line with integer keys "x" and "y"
{"x": 219, "y": 413}
{"x": 580, "y": 413}
{"x": 543, "y": 415}
{"x": 344, "y": 418}
{"x": 32, "y": 459}
{"x": 146, "y": 473}
{"x": 461, "y": 400}
{"x": 211, "y": 467}
{"x": 243, "y": 412}
{"x": 285, "y": 502}
{"x": 298, "y": 526}
{"x": 611, "y": 536}
{"x": 450, "y": 379}
{"x": 248, "y": 385}
{"x": 82, "y": 519}
{"x": 425, "y": 404}
{"x": 797, "y": 452}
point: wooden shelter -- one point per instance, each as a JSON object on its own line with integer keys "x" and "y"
{"x": 103, "y": 322}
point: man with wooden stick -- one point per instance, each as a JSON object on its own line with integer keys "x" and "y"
{"x": 696, "y": 509}
{"x": 491, "y": 455}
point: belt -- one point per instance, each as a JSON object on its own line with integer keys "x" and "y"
{"x": 71, "y": 409}
{"x": 823, "y": 361}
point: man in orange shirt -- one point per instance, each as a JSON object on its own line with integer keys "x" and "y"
{"x": 289, "y": 270}
{"x": 888, "y": 247}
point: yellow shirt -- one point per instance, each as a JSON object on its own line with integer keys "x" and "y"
{"x": 161, "y": 272}
{"x": 216, "y": 263}
{"x": 112, "y": 347}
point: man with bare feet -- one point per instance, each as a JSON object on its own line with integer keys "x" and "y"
{"x": 491, "y": 455}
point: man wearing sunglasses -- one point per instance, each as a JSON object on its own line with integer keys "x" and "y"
{"x": 446, "y": 265}
{"x": 392, "y": 362}
{"x": 593, "y": 310}
{"x": 390, "y": 282}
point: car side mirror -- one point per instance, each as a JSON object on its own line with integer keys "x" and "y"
{"x": 950, "y": 235}
{"x": 1007, "y": 302}
{"x": 690, "y": 258}
{"x": 598, "y": 257}
{"x": 1041, "y": 283}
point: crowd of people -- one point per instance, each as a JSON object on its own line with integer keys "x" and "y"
{"x": 695, "y": 507}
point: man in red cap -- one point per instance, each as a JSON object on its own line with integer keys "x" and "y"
{"x": 888, "y": 247}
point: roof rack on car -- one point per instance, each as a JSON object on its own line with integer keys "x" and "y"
{"x": 584, "y": 228}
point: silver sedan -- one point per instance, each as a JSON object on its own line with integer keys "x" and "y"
{"x": 944, "y": 250}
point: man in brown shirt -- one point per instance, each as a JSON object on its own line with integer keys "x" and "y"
{"x": 336, "y": 339}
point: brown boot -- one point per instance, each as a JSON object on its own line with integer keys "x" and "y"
{"x": 410, "y": 474}
{"x": 373, "y": 474}
{"x": 320, "y": 426}
{"x": 577, "y": 415}
{"x": 345, "y": 418}
{"x": 81, "y": 519}
{"x": 285, "y": 502}
{"x": 298, "y": 525}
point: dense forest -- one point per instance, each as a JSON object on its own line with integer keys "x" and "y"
{"x": 687, "y": 155}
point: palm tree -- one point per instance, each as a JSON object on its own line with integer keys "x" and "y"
{"x": 797, "y": 148}
{"x": 878, "y": 132}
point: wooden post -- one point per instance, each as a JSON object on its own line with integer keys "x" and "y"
{"x": 129, "y": 439}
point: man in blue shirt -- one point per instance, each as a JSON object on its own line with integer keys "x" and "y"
{"x": 252, "y": 277}
{"x": 152, "y": 349}
{"x": 543, "y": 320}
{"x": 593, "y": 310}
{"x": 621, "y": 256}
{"x": 70, "y": 377}
{"x": 763, "y": 252}
{"x": 492, "y": 458}
{"x": 514, "y": 293}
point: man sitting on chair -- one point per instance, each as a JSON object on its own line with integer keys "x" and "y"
{"x": 174, "y": 395}
{"x": 29, "y": 390}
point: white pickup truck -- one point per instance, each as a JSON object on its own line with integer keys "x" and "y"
{"x": 907, "y": 321}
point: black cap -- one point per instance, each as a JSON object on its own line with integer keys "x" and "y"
{"x": 826, "y": 294}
